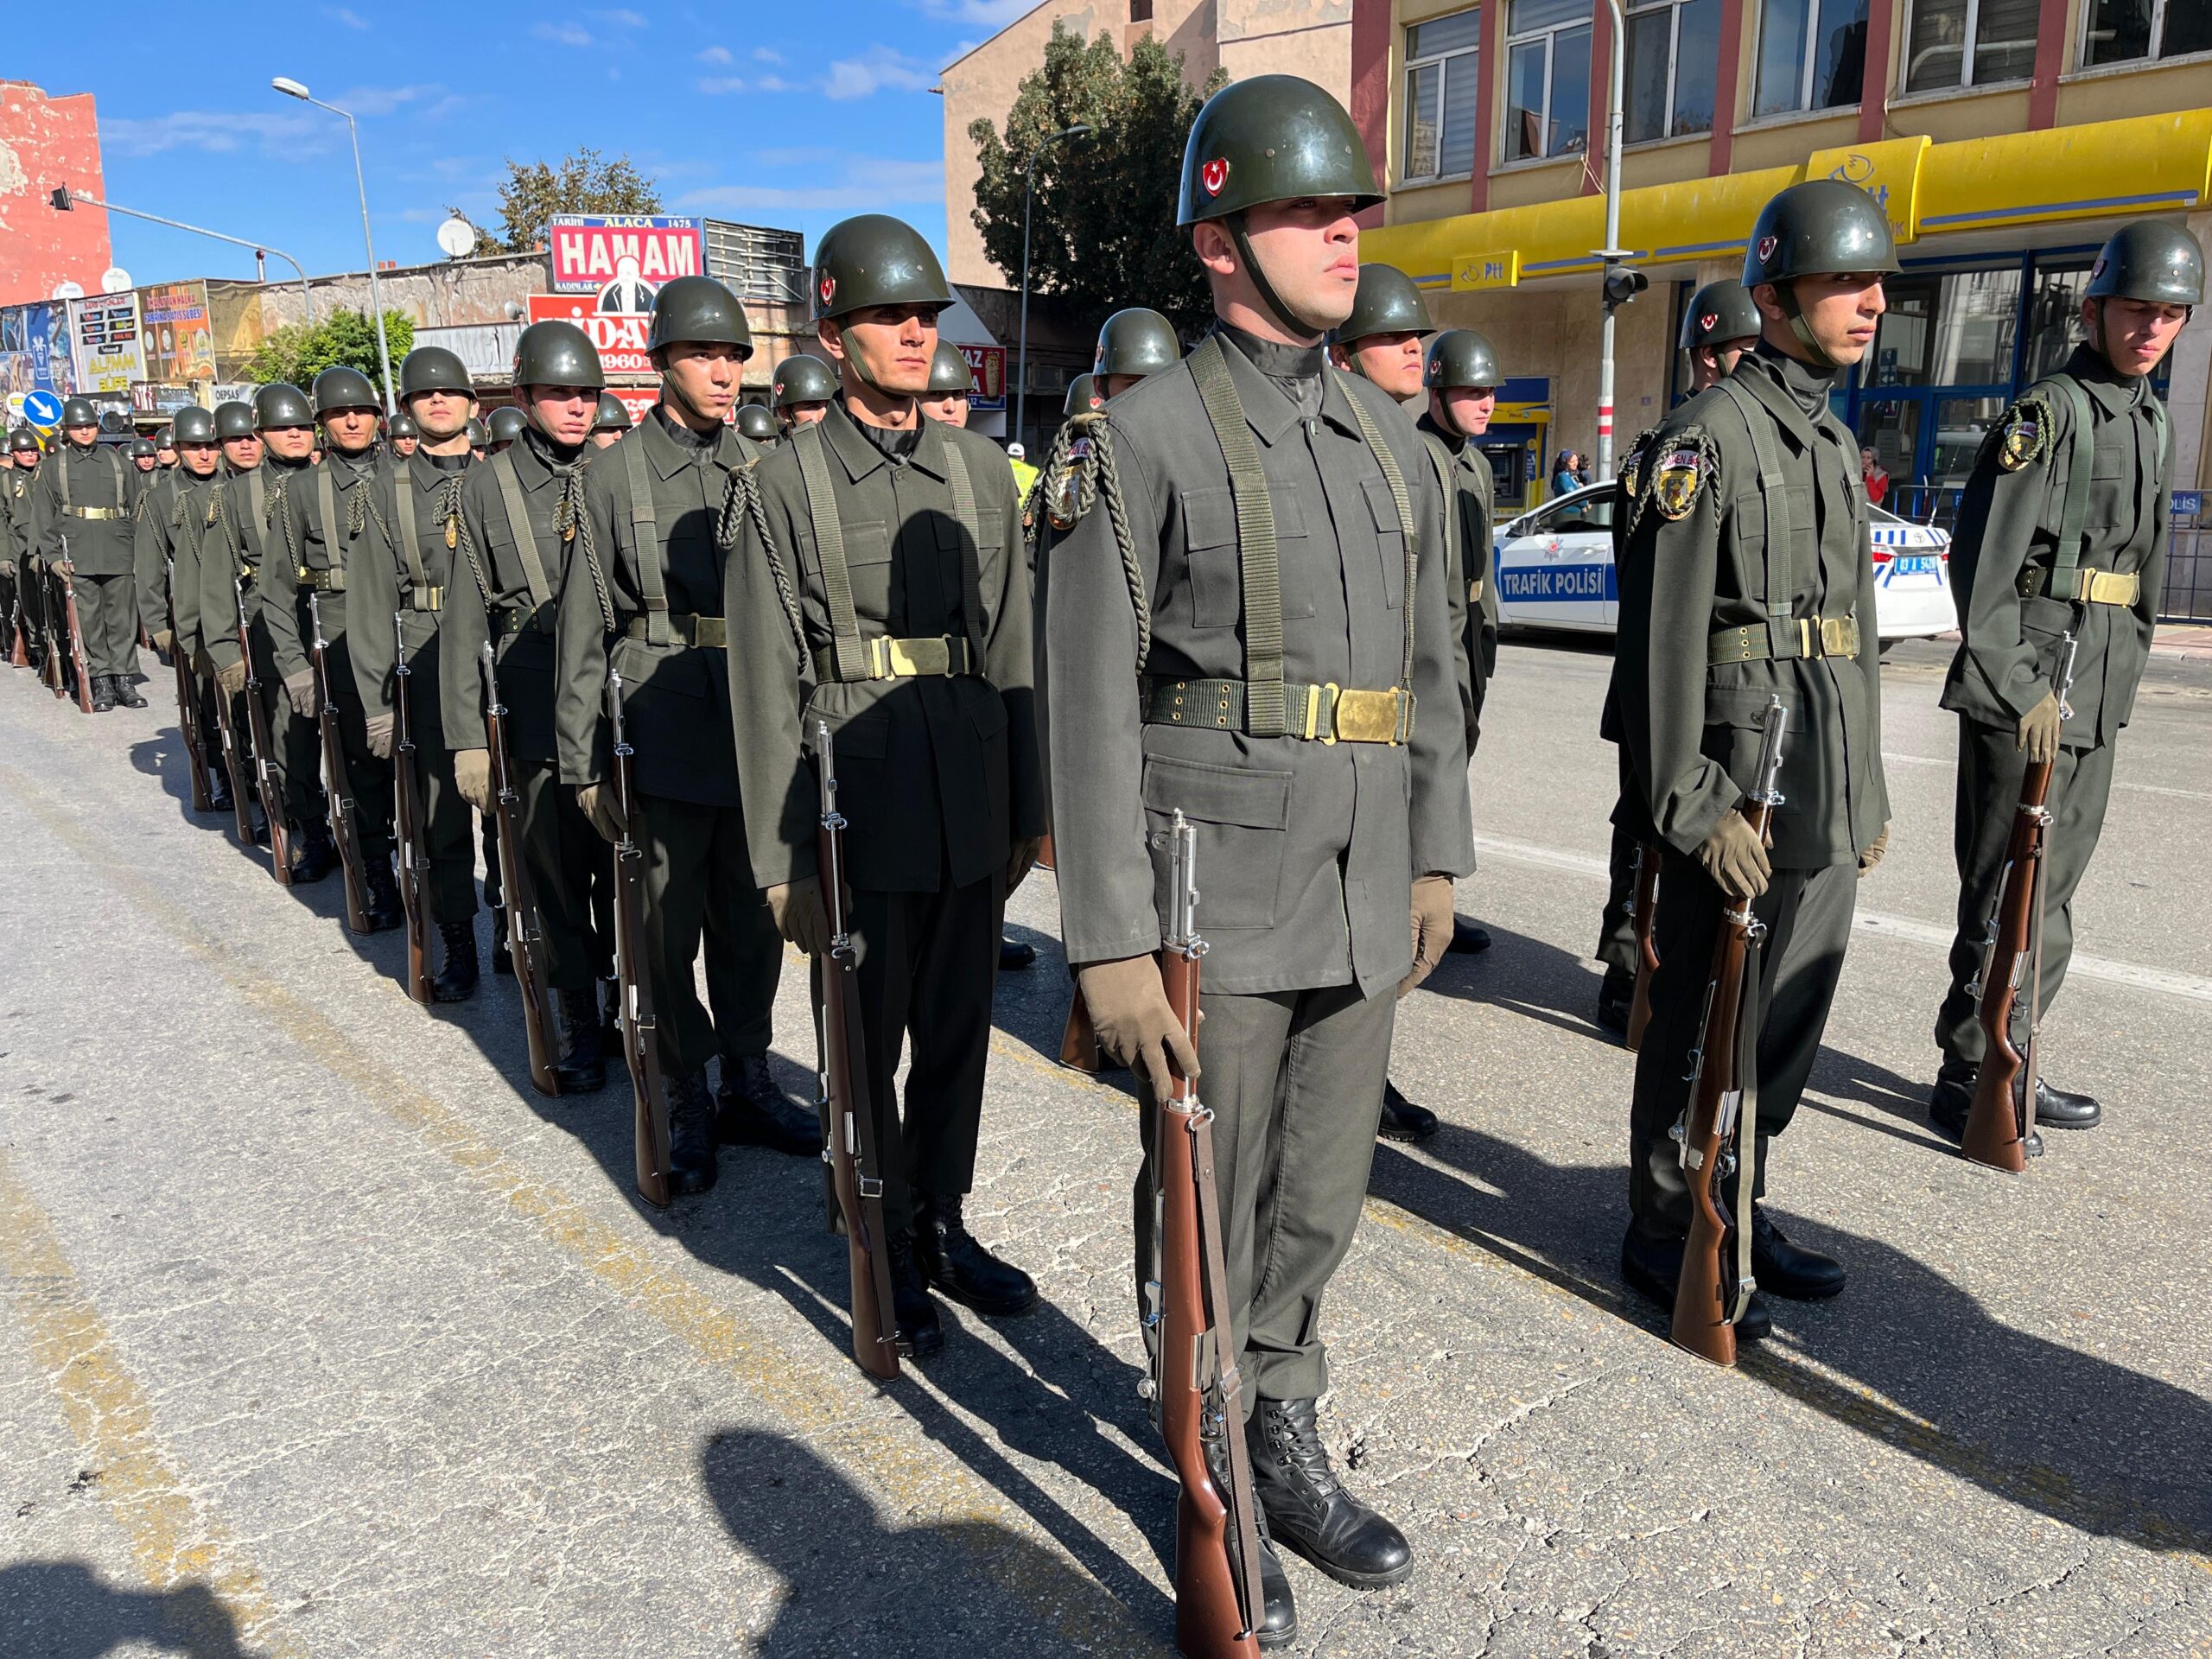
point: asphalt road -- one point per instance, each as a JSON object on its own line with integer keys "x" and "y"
{"x": 320, "y": 1334}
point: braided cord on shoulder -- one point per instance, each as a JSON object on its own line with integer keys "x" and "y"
{"x": 571, "y": 509}
{"x": 745, "y": 500}
{"x": 1117, "y": 515}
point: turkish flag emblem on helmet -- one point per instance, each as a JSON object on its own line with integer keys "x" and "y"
{"x": 1767, "y": 246}
{"x": 1213, "y": 174}
{"x": 829, "y": 288}
{"x": 1709, "y": 321}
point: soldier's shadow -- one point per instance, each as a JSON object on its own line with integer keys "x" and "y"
{"x": 65, "y": 1609}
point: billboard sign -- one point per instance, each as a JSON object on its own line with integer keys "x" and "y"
{"x": 622, "y": 259}
{"x": 619, "y": 335}
{"x": 175, "y": 333}
{"x": 986, "y": 369}
{"x": 35, "y": 353}
{"x": 106, "y": 329}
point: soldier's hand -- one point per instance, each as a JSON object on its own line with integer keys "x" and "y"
{"x": 8, "y": 568}
{"x": 1129, "y": 1010}
{"x": 801, "y": 917}
{"x": 299, "y": 691}
{"x": 164, "y": 641}
{"x": 1734, "y": 857}
{"x": 597, "y": 801}
{"x": 1431, "y": 921}
{"x": 472, "y": 776}
{"x": 2039, "y": 731}
{"x": 232, "y": 678}
{"x": 1871, "y": 854}
{"x": 1023, "y": 860}
{"x": 380, "y": 736}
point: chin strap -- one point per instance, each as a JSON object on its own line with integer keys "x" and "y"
{"x": 859, "y": 369}
{"x": 1269, "y": 297}
{"x": 1788, "y": 291}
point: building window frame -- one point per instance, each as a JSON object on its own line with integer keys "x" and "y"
{"x": 1549, "y": 35}
{"x": 1632, "y": 10}
{"x": 1808, "y": 62}
{"x": 2156, "y": 56}
{"x": 1442, "y": 63}
{"x": 1969, "y": 43}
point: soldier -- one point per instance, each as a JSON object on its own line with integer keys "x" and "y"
{"x": 83, "y": 504}
{"x": 950, "y": 382}
{"x": 2063, "y": 529}
{"x": 803, "y": 386}
{"x": 172, "y": 514}
{"x": 478, "y": 436}
{"x": 1720, "y": 325}
{"x": 165, "y": 455}
{"x": 145, "y": 457}
{"x": 1083, "y": 397}
{"x": 401, "y": 434}
{"x": 407, "y": 571}
{"x": 879, "y": 560}
{"x": 16, "y": 480}
{"x": 517, "y": 513}
{"x": 1197, "y": 668}
{"x": 643, "y": 596}
{"x": 507, "y": 423}
{"x": 613, "y": 421}
{"x": 1132, "y": 344}
{"x": 244, "y": 552}
{"x": 1749, "y": 575}
{"x": 758, "y": 422}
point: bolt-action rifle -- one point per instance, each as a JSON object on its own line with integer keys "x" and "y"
{"x": 187, "y": 707}
{"x": 641, "y": 1031}
{"x": 78, "y": 664}
{"x": 264, "y": 767}
{"x": 408, "y": 819}
{"x": 338, "y": 784}
{"x": 525, "y": 933}
{"x": 1643, "y": 912}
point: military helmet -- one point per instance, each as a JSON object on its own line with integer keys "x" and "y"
{"x": 193, "y": 425}
{"x": 805, "y": 379}
{"x": 339, "y": 387}
{"x": 699, "y": 309}
{"x": 433, "y": 368}
{"x": 1271, "y": 138}
{"x": 1719, "y": 313}
{"x": 1083, "y": 397}
{"x": 402, "y": 425}
{"x": 1821, "y": 228}
{"x": 614, "y": 414}
{"x": 79, "y": 411}
{"x": 508, "y": 423}
{"x": 1387, "y": 304}
{"x": 556, "y": 353}
{"x": 478, "y": 436}
{"x": 1460, "y": 358}
{"x": 233, "y": 420}
{"x": 950, "y": 374}
{"x": 757, "y": 423}
{"x": 143, "y": 447}
{"x": 874, "y": 259}
{"x": 24, "y": 438}
{"x": 281, "y": 404}
{"x": 2152, "y": 260}
{"x": 1136, "y": 341}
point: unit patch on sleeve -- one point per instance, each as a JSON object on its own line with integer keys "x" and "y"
{"x": 2024, "y": 436}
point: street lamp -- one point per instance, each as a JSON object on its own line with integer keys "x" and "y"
{"x": 291, "y": 88}
{"x": 65, "y": 199}
{"x": 1611, "y": 250}
{"x": 1029, "y": 199}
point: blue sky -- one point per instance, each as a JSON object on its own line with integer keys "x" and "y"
{"x": 790, "y": 114}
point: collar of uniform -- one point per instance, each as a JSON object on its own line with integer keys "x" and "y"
{"x": 1452, "y": 440}
{"x": 279, "y": 468}
{"x": 859, "y": 457}
{"x": 1268, "y": 410}
{"x": 535, "y": 461}
{"x": 670, "y": 456}
{"x": 350, "y": 470}
{"x": 2114, "y": 393}
{"x": 427, "y": 476}
{"x": 1764, "y": 383}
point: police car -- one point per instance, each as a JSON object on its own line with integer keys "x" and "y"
{"x": 1553, "y": 567}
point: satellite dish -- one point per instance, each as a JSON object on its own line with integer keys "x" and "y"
{"x": 67, "y": 291}
{"x": 115, "y": 280}
{"x": 457, "y": 236}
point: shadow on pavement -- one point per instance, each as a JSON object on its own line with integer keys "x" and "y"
{"x": 63, "y": 1609}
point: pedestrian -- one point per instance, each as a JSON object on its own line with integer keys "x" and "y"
{"x": 1564, "y": 477}
{"x": 1876, "y": 480}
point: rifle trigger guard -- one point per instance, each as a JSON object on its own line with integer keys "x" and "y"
{"x": 871, "y": 1187}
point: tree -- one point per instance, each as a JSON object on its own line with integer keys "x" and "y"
{"x": 1103, "y": 233}
{"x": 300, "y": 350}
{"x": 582, "y": 183}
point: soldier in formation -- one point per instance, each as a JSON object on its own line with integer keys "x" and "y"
{"x": 613, "y": 420}
{"x": 82, "y": 511}
{"x": 801, "y": 389}
{"x": 173, "y": 515}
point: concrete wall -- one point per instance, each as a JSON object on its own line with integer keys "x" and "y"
{"x": 45, "y": 142}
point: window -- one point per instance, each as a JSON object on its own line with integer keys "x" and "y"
{"x": 2121, "y": 31}
{"x": 1140, "y": 12}
{"x": 1674, "y": 56}
{"x": 1442, "y": 87}
{"x": 1546, "y": 78}
{"x": 1812, "y": 55}
{"x": 1953, "y": 330}
{"x": 1969, "y": 43}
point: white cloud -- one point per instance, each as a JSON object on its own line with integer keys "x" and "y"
{"x": 879, "y": 68}
{"x": 620, "y": 19}
{"x": 719, "y": 85}
{"x": 277, "y": 132}
{"x": 431, "y": 98}
{"x": 766, "y": 55}
{"x": 995, "y": 14}
{"x": 562, "y": 33}
{"x": 774, "y": 83}
{"x": 716, "y": 54}
{"x": 347, "y": 15}
{"x": 855, "y": 183}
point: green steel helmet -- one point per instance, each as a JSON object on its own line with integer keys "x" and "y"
{"x": 1271, "y": 138}
{"x": 79, "y": 411}
{"x": 233, "y": 420}
{"x": 614, "y": 414}
{"x": 1460, "y": 358}
{"x": 478, "y": 434}
{"x": 433, "y": 368}
{"x": 556, "y": 352}
{"x": 874, "y": 259}
{"x": 1387, "y": 304}
{"x": 402, "y": 425}
{"x": 757, "y": 423}
{"x": 25, "y": 439}
{"x": 194, "y": 425}
{"x": 1719, "y": 313}
{"x": 281, "y": 404}
{"x": 143, "y": 447}
{"x": 339, "y": 387}
{"x": 1083, "y": 397}
{"x": 948, "y": 373}
{"x": 1136, "y": 341}
{"x": 1821, "y": 228}
{"x": 2152, "y": 260}
{"x": 805, "y": 379}
{"x": 701, "y": 310}
{"x": 508, "y": 423}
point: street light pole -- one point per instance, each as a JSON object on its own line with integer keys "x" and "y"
{"x": 1028, "y": 201}
{"x": 64, "y": 198}
{"x": 292, "y": 88}
{"x": 1612, "y": 238}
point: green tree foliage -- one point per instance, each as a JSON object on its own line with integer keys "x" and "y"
{"x": 1103, "y": 233}
{"x": 582, "y": 182}
{"x": 300, "y": 350}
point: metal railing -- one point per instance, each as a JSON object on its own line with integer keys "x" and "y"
{"x": 2188, "y": 593}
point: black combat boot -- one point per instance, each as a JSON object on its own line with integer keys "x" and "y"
{"x": 1950, "y": 1102}
{"x": 1307, "y": 1508}
{"x": 314, "y": 855}
{"x": 2059, "y": 1109}
{"x": 456, "y": 977}
{"x": 1616, "y": 994}
{"x": 1468, "y": 937}
{"x": 503, "y": 961}
{"x": 1402, "y": 1120}
{"x": 1652, "y": 1265}
{"x": 920, "y": 1333}
{"x": 751, "y": 1111}
{"x": 950, "y": 1259}
{"x": 126, "y": 692}
{"x": 1279, "y": 1612}
{"x": 1014, "y": 955}
{"x": 218, "y": 786}
{"x": 384, "y": 910}
{"x": 1788, "y": 1269}
{"x": 691, "y": 1135}
{"x": 102, "y": 692}
{"x": 578, "y": 1065}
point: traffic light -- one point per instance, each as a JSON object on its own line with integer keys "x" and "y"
{"x": 1623, "y": 284}
{"x": 60, "y": 197}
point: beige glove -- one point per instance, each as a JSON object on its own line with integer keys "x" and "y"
{"x": 472, "y": 776}
{"x": 299, "y": 691}
{"x": 380, "y": 736}
{"x": 7, "y": 568}
{"x": 597, "y": 801}
{"x": 1129, "y": 1011}
{"x": 1873, "y": 851}
{"x": 1734, "y": 859}
{"x": 1432, "y": 920}
{"x": 2039, "y": 731}
{"x": 801, "y": 917}
{"x": 1023, "y": 860}
{"x": 231, "y": 679}
{"x": 164, "y": 641}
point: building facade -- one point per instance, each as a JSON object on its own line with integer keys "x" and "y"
{"x": 45, "y": 142}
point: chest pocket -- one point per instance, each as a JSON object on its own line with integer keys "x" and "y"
{"x": 868, "y": 564}
{"x": 1210, "y": 552}
{"x": 1390, "y": 539}
{"x": 1747, "y": 511}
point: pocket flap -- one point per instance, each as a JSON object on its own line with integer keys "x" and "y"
{"x": 1256, "y": 799}
{"x": 987, "y": 711}
{"x": 864, "y": 737}
{"x": 1742, "y": 705}
{"x": 1383, "y": 505}
{"x": 867, "y": 543}
{"x": 1208, "y": 518}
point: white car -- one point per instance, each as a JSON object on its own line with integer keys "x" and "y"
{"x": 1554, "y": 566}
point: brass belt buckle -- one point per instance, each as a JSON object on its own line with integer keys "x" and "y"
{"x": 1368, "y": 716}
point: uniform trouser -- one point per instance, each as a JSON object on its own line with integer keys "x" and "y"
{"x": 488, "y": 831}
{"x": 572, "y": 870}
{"x": 1989, "y": 772}
{"x": 1807, "y": 914}
{"x": 1294, "y": 1080}
{"x": 107, "y": 614}
{"x": 368, "y": 778}
{"x": 448, "y": 832}
{"x": 1617, "y": 927}
{"x": 295, "y": 747}
{"x": 699, "y": 891}
{"x": 929, "y": 964}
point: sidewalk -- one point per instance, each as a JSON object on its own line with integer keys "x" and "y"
{"x": 2189, "y": 640}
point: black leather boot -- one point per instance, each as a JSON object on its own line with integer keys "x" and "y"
{"x": 1790, "y": 1270}
{"x": 1014, "y": 955}
{"x": 1402, "y": 1120}
{"x": 920, "y": 1331}
{"x": 1306, "y": 1507}
{"x": 125, "y": 693}
{"x": 751, "y": 1111}
{"x": 691, "y": 1135}
{"x": 219, "y": 784}
{"x": 1651, "y": 1265}
{"x": 314, "y": 855}
{"x": 1615, "y": 993}
{"x": 456, "y": 976}
{"x": 1468, "y": 937}
{"x": 2058, "y": 1108}
{"x": 578, "y": 1065}
{"x": 503, "y": 961}
{"x": 950, "y": 1259}
{"x": 1951, "y": 1102}
{"x": 385, "y": 911}
{"x": 1279, "y": 1611}
{"x": 103, "y": 689}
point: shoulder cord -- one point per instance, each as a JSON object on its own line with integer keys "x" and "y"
{"x": 569, "y": 517}
{"x": 466, "y": 543}
{"x": 743, "y": 500}
{"x": 1117, "y": 517}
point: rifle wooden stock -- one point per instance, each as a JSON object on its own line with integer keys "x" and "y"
{"x": 525, "y": 935}
{"x": 50, "y": 647}
{"x": 77, "y": 659}
{"x": 640, "y": 1027}
{"x": 19, "y": 650}
{"x": 264, "y": 768}
{"x": 407, "y": 821}
{"x": 1998, "y": 1121}
{"x": 338, "y": 783}
{"x": 187, "y": 720}
{"x": 1645, "y": 910}
{"x": 226, "y": 734}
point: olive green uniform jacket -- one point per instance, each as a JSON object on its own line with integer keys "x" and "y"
{"x": 247, "y": 535}
{"x": 394, "y": 575}
{"x": 173, "y": 515}
{"x": 1470, "y": 486}
{"x": 325, "y": 524}
{"x": 99, "y": 478}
